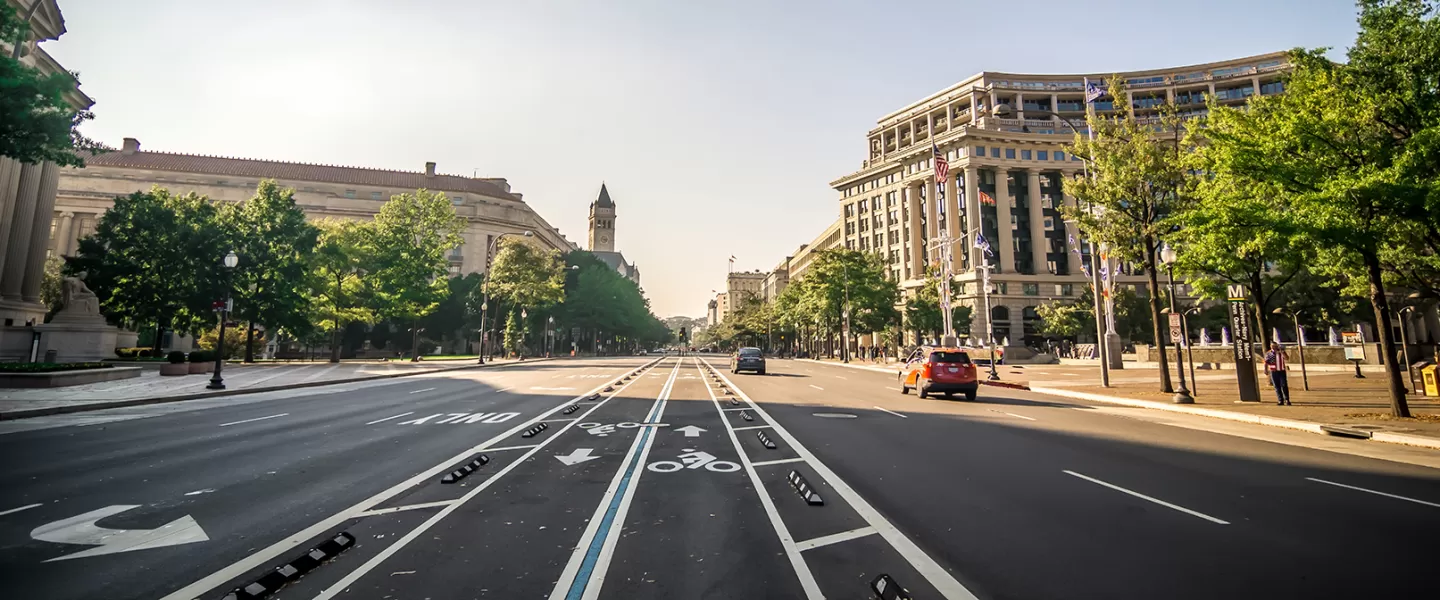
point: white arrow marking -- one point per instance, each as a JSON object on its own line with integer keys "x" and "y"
{"x": 691, "y": 430}
{"x": 576, "y": 457}
{"x": 81, "y": 529}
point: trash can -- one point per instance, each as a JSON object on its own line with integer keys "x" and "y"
{"x": 1428, "y": 382}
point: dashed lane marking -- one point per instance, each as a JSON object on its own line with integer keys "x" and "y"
{"x": 766, "y": 463}
{"x": 1151, "y": 499}
{"x": 424, "y": 390}
{"x": 817, "y": 387}
{"x": 835, "y": 538}
{"x": 511, "y": 448}
{"x": 253, "y": 420}
{"x": 750, "y": 427}
{"x": 1358, "y": 489}
{"x": 386, "y": 511}
{"x": 15, "y": 510}
{"x": 388, "y": 418}
{"x": 891, "y": 412}
{"x": 1013, "y": 415}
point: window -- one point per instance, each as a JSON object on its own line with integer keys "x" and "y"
{"x": 864, "y": 206}
{"x": 349, "y": 193}
{"x": 374, "y": 195}
{"x": 456, "y": 253}
{"x": 1273, "y": 87}
{"x": 1009, "y": 153}
{"x": 979, "y": 151}
{"x": 221, "y": 182}
{"x": 1024, "y": 155}
{"x": 1067, "y": 289}
{"x": 1042, "y": 155}
{"x": 1049, "y": 222}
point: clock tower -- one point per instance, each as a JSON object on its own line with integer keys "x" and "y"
{"x": 602, "y": 223}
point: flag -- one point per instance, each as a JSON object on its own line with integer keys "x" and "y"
{"x": 980, "y": 241}
{"x": 732, "y": 259}
{"x": 1074, "y": 247}
{"x": 986, "y": 198}
{"x": 942, "y": 166}
{"x": 1093, "y": 90}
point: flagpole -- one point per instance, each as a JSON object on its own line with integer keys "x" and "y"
{"x": 1101, "y": 345}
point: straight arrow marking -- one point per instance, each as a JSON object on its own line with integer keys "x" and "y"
{"x": 691, "y": 430}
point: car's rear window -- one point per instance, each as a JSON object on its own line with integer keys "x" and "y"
{"x": 749, "y": 352}
{"x": 950, "y": 357}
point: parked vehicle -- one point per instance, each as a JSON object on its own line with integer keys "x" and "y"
{"x": 939, "y": 370}
{"x": 748, "y": 359}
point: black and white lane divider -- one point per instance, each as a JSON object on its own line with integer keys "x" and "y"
{"x": 465, "y": 470}
{"x": 885, "y": 588}
{"x": 745, "y": 414}
{"x": 734, "y": 402}
{"x": 570, "y": 409}
{"x": 271, "y": 582}
{"x": 765, "y": 439}
{"x": 539, "y": 427}
{"x": 802, "y": 487}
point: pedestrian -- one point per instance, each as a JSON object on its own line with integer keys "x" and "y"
{"x": 1275, "y": 365}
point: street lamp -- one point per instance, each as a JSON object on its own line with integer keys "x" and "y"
{"x": 549, "y": 335}
{"x": 1300, "y": 342}
{"x": 216, "y": 381}
{"x": 1405, "y": 347}
{"x": 1182, "y": 395}
{"x": 485, "y": 288}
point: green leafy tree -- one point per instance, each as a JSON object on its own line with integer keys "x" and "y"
{"x": 1351, "y": 151}
{"x": 51, "y": 286}
{"x": 37, "y": 124}
{"x": 1139, "y": 177}
{"x": 526, "y": 276}
{"x": 923, "y": 314}
{"x": 410, "y": 239}
{"x": 1065, "y": 319}
{"x": 274, "y": 243}
{"x": 458, "y": 312}
{"x": 339, "y": 293}
{"x": 842, "y": 280}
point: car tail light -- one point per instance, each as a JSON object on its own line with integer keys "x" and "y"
{"x": 925, "y": 370}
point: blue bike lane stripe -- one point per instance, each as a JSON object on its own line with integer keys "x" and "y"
{"x": 592, "y": 554}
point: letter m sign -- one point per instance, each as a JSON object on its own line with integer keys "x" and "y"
{"x": 1235, "y": 292}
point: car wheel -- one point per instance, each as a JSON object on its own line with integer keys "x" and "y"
{"x": 923, "y": 389}
{"x": 970, "y": 395}
{"x": 761, "y": 372}
{"x": 904, "y": 389}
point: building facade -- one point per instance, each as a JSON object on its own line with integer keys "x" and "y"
{"x": 602, "y": 236}
{"x": 890, "y": 205}
{"x": 28, "y": 192}
{"x": 488, "y": 205}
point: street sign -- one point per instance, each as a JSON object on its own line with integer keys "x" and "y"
{"x": 1352, "y": 337}
{"x": 1242, "y": 350}
{"x": 1177, "y": 331}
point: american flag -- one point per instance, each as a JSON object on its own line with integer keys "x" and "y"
{"x": 986, "y": 198}
{"x": 942, "y": 166}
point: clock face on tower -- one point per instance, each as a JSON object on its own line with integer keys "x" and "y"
{"x": 604, "y": 238}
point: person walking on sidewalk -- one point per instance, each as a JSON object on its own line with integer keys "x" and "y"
{"x": 1275, "y": 365}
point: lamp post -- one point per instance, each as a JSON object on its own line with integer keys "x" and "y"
{"x": 485, "y": 288}
{"x": 989, "y": 318}
{"x": 1299, "y": 342}
{"x": 216, "y": 381}
{"x": 1190, "y": 349}
{"x": 549, "y": 336}
{"x": 1405, "y": 347}
{"x": 1182, "y": 395}
{"x": 1104, "y": 327}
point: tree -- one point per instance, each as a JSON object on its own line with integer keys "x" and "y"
{"x": 410, "y": 238}
{"x": 37, "y": 124}
{"x": 842, "y": 280}
{"x": 459, "y": 311}
{"x": 1350, "y": 150}
{"x": 156, "y": 258}
{"x": 1139, "y": 177}
{"x": 338, "y": 291}
{"x": 51, "y": 286}
{"x": 527, "y": 276}
{"x": 1065, "y": 319}
{"x": 923, "y": 314}
{"x": 274, "y": 243}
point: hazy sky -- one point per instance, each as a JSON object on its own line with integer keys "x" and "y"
{"x": 716, "y": 125}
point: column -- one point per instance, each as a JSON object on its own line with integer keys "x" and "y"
{"x": 40, "y": 237}
{"x": 64, "y": 234}
{"x": 9, "y": 180}
{"x": 974, "y": 108}
{"x": 932, "y": 215}
{"x": 972, "y": 212}
{"x": 1019, "y": 106}
{"x": 952, "y": 220}
{"x": 16, "y": 257}
{"x": 1255, "y": 81}
{"x": 1055, "y": 108}
{"x": 1004, "y": 205}
{"x": 1039, "y": 244}
{"x": 917, "y": 237}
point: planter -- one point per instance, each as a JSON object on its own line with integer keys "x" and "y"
{"x": 175, "y": 369}
{"x": 197, "y": 368}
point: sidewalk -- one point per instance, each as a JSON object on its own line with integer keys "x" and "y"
{"x": 1334, "y": 399}
{"x": 151, "y": 388}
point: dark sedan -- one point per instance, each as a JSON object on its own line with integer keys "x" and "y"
{"x": 748, "y": 359}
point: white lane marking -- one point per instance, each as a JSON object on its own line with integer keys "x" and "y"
{"x": 405, "y": 540}
{"x": 797, "y": 562}
{"x": 424, "y": 390}
{"x": 254, "y": 420}
{"x": 835, "y": 538}
{"x": 817, "y": 387}
{"x": 502, "y": 390}
{"x": 1144, "y": 497}
{"x": 388, "y": 418}
{"x": 839, "y": 377}
{"x": 639, "y": 451}
{"x": 730, "y": 409}
{"x": 511, "y": 448}
{"x": 892, "y": 389}
{"x": 1359, "y": 489}
{"x": 939, "y": 578}
{"x": 257, "y": 559}
{"x": 766, "y": 463}
{"x": 15, "y": 510}
{"x": 891, "y": 412}
{"x": 198, "y": 492}
{"x": 558, "y": 420}
{"x": 386, "y": 511}
{"x": 1013, "y": 415}
{"x": 750, "y": 427}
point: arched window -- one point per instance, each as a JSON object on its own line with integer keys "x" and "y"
{"x": 999, "y": 313}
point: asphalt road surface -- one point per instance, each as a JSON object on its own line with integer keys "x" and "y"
{"x": 664, "y": 486}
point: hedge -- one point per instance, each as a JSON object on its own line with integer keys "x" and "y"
{"x": 50, "y": 367}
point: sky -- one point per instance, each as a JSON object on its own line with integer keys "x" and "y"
{"x": 717, "y": 126}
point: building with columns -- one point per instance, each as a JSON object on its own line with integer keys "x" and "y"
{"x": 488, "y": 205}
{"x": 889, "y": 205}
{"x": 27, "y": 194}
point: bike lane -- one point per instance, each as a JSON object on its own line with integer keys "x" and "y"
{"x": 695, "y": 526}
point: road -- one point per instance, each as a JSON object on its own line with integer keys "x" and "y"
{"x": 663, "y": 487}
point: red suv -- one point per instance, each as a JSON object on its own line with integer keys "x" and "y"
{"x": 939, "y": 370}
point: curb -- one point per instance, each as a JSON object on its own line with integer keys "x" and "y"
{"x": 57, "y": 410}
{"x": 1307, "y": 426}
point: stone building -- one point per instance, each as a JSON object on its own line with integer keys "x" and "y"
{"x": 602, "y": 236}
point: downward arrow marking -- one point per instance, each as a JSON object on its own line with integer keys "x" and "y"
{"x": 579, "y": 455}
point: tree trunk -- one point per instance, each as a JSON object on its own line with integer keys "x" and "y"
{"x": 335, "y": 342}
{"x": 159, "y": 337}
{"x": 249, "y": 341}
{"x": 1257, "y": 293}
{"x": 415, "y": 340}
{"x": 1398, "y": 406}
{"x": 1155, "y": 315}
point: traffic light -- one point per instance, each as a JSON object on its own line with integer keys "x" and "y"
{"x": 682, "y": 334}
